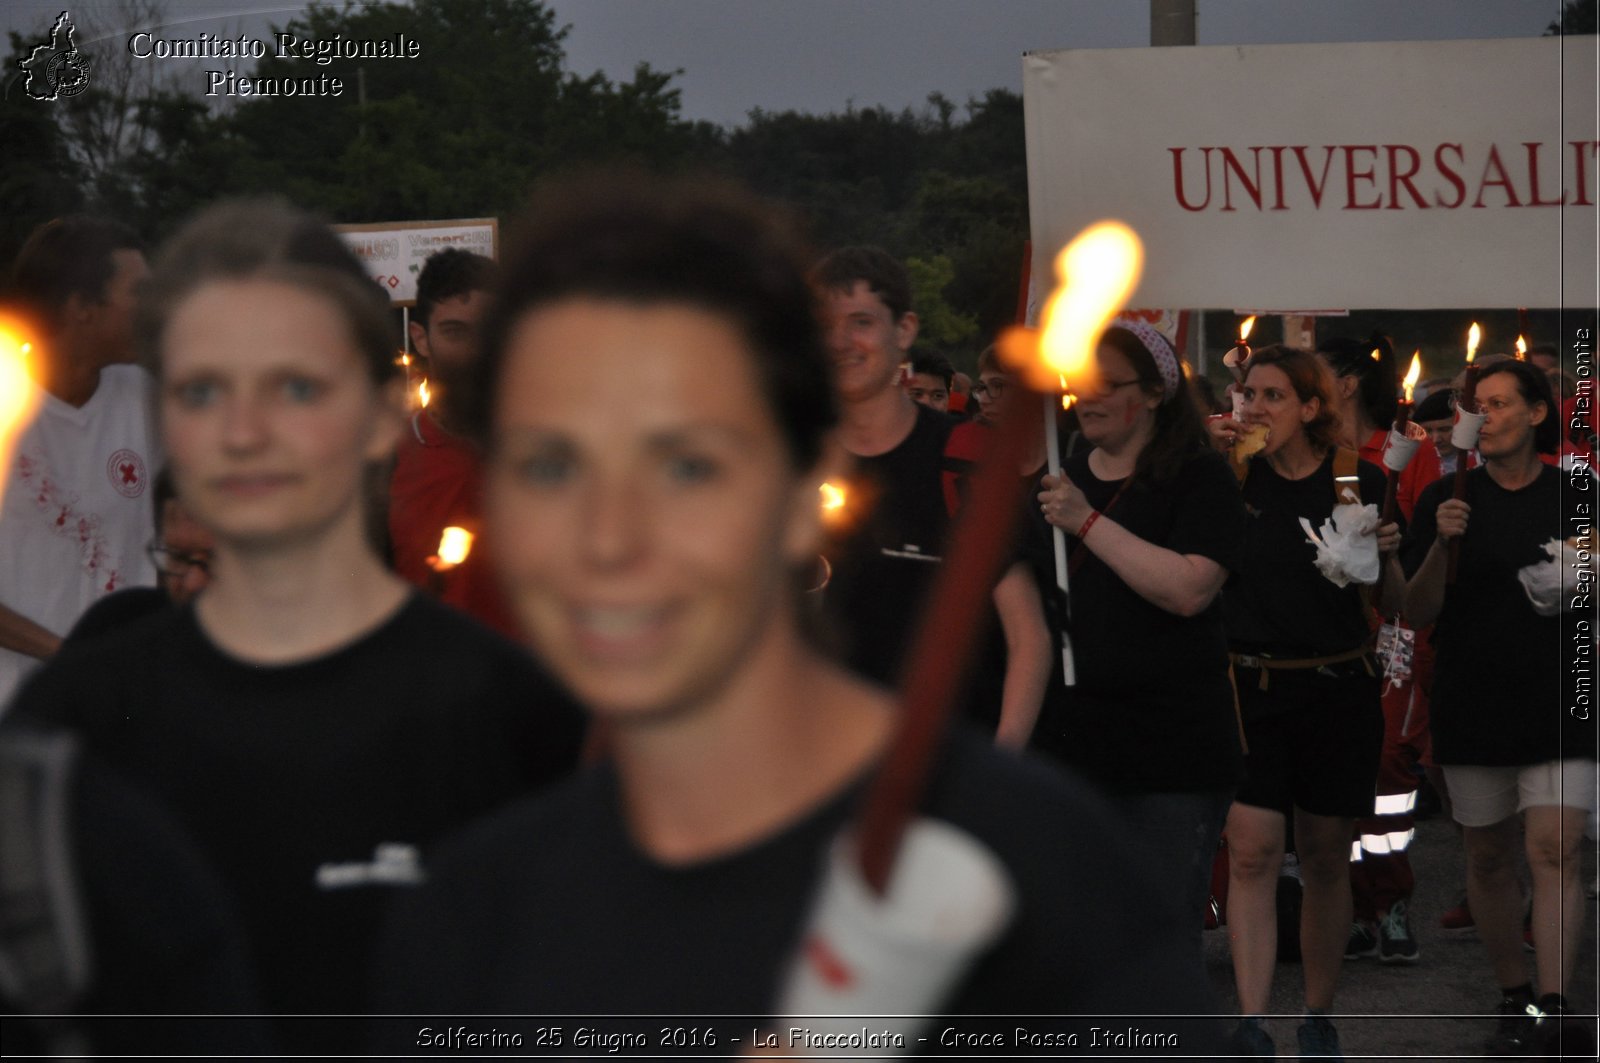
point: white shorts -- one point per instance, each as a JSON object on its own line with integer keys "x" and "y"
{"x": 1482, "y": 796}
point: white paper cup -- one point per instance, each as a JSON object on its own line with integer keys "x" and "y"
{"x": 903, "y": 953}
{"x": 1401, "y": 449}
{"x": 1464, "y": 433}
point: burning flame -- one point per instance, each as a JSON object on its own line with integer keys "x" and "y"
{"x": 1244, "y": 328}
{"x": 424, "y": 396}
{"x": 404, "y": 359}
{"x": 1377, "y": 356}
{"x": 1474, "y": 334}
{"x": 1095, "y": 274}
{"x": 1067, "y": 401}
{"x": 1414, "y": 374}
{"x": 1522, "y": 349}
{"x": 454, "y": 546}
{"x": 18, "y": 395}
{"x": 832, "y": 497}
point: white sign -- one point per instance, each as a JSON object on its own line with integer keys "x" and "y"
{"x": 394, "y": 252}
{"x": 1388, "y": 175}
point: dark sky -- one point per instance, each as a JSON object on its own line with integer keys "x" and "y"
{"x": 822, "y": 55}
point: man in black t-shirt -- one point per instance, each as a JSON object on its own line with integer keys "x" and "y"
{"x": 1509, "y": 728}
{"x": 887, "y": 539}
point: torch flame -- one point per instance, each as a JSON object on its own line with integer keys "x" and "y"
{"x": 424, "y": 396}
{"x": 405, "y": 359}
{"x": 1095, "y": 274}
{"x": 832, "y": 496}
{"x": 1474, "y": 334}
{"x": 454, "y": 546}
{"x": 1414, "y": 374}
{"x": 19, "y": 398}
{"x": 1377, "y": 356}
{"x": 1522, "y": 349}
{"x": 1067, "y": 401}
{"x": 1244, "y": 329}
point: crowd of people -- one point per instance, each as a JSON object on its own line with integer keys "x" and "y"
{"x": 710, "y": 480}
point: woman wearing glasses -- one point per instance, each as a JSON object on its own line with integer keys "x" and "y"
{"x": 1153, "y": 519}
{"x": 312, "y": 722}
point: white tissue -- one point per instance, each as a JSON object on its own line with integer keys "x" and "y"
{"x": 1347, "y": 548}
{"x": 1555, "y": 585}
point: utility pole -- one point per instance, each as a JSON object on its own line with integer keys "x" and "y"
{"x": 1172, "y": 23}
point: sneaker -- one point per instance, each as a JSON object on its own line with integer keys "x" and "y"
{"x": 1513, "y": 1034}
{"x": 1363, "y": 941}
{"x": 1458, "y": 920}
{"x": 1318, "y": 1039}
{"x": 1252, "y": 1039}
{"x": 1395, "y": 943}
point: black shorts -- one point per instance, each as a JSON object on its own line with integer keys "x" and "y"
{"x": 1313, "y": 740}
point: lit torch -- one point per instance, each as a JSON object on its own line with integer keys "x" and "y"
{"x": 1404, "y": 439}
{"x": 1237, "y": 362}
{"x": 1464, "y": 434}
{"x": 424, "y": 396}
{"x": 454, "y": 546}
{"x": 19, "y": 396}
{"x": 832, "y": 497}
{"x": 1522, "y": 349}
{"x": 1096, "y": 273}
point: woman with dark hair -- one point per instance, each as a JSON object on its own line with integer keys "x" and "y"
{"x": 1307, "y": 685}
{"x": 1366, "y": 394}
{"x": 1366, "y": 397}
{"x": 1506, "y": 729}
{"x": 659, "y": 419}
{"x": 1153, "y": 519}
{"x": 311, "y": 721}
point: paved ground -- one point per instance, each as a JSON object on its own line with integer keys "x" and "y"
{"x": 1419, "y": 1012}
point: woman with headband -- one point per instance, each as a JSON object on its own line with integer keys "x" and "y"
{"x": 1154, "y": 519}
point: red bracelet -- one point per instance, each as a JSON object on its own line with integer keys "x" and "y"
{"x": 1083, "y": 532}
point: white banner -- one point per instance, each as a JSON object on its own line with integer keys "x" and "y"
{"x": 1389, "y": 175}
{"x": 394, "y": 252}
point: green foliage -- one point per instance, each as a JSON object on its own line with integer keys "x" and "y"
{"x": 461, "y": 131}
{"x": 942, "y": 325}
{"x": 929, "y": 187}
{"x": 489, "y": 107}
{"x": 1577, "y": 16}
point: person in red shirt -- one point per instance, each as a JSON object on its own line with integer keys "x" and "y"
{"x": 437, "y": 479}
{"x": 1380, "y": 869}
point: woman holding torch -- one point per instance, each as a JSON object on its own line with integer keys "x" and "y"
{"x": 1511, "y": 729}
{"x": 662, "y": 419}
{"x": 1307, "y": 684}
{"x": 1155, "y": 520}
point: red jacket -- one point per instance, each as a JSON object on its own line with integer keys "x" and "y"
{"x": 437, "y": 483}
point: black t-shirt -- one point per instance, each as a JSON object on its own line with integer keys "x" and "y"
{"x": 549, "y": 908}
{"x": 1277, "y": 601}
{"x": 885, "y": 554}
{"x": 312, "y": 786}
{"x": 117, "y": 609}
{"x": 1153, "y": 708}
{"x": 1504, "y": 677}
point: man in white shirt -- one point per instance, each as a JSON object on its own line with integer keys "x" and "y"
{"x": 76, "y": 517}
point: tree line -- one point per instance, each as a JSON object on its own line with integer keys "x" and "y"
{"x": 491, "y": 107}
